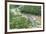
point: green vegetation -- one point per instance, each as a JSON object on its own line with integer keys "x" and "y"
{"x": 17, "y": 21}
{"x": 35, "y": 10}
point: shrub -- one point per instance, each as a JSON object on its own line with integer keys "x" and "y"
{"x": 35, "y": 10}
{"x": 19, "y": 22}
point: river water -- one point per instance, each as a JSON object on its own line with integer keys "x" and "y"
{"x": 36, "y": 20}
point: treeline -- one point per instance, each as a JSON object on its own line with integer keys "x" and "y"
{"x": 36, "y": 10}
